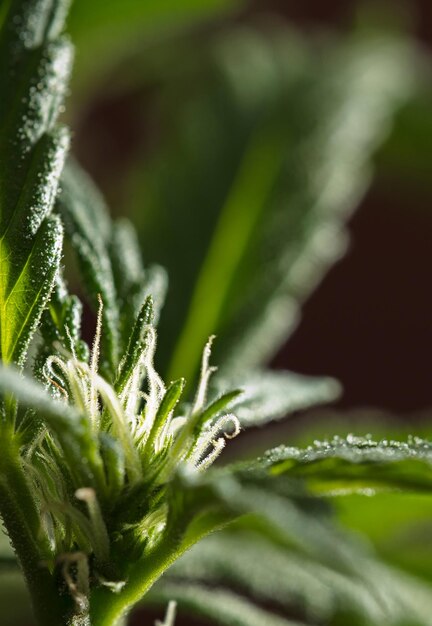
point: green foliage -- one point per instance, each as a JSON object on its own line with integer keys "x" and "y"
{"x": 119, "y": 279}
{"x": 248, "y": 228}
{"x": 107, "y": 32}
{"x": 34, "y": 70}
{"x": 223, "y": 606}
{"x": 357, "y": 463}
{"x": 106, "y": 471}
{"x": 269, "y": 395}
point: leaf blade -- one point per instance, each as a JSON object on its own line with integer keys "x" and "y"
{"x": 356, "y": 464}
{"x": 34, "y": 70}
{"x": 271, "y": 395}
{"x": 220, "y": 605}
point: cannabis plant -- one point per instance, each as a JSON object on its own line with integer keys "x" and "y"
{"x": 107, "y": 472}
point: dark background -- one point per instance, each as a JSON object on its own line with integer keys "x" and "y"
{"x": 368, "y": 324}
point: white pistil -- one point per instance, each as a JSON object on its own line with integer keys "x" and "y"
{"x": 100, "y": 534}
{"x": 206, "y": 372}
{"x": 156, "y": 387}
{"x": 169, "y": 615}
{"x": 77, "y": 582}
{"x": 94, "y": 361}
{"x": 211, "y": 438}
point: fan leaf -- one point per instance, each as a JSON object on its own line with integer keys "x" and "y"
{"x": 220, "y": 605}
{"x": 271, "y": 395}
{"x": 34, "y": 70}
{"x": 356, "y": 464}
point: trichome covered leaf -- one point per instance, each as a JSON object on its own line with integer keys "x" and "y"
{"x": 34, "y": 70}
{"x": 110, "y": 262}
{"x": 356, "y": 464}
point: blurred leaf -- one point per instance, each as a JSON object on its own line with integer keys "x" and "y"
{"x": 88, "y": 226}
{"x": 398, "y": 524}
{"x": 32, "y": 150}
{"x": 220, "y": 605}
{"x": 133, "y": 283}
{"x": 407, "y": 153}
{"x": 106, "y": 31}
{"x": 288, "y": 553}
{"x": 295, "y": 582}
{"x": 271, "y": 395}
{"x": 248, "y": 227}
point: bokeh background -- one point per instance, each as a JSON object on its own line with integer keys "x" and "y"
{"x": 164, "y": 98}
{"x": 368, "y": 323}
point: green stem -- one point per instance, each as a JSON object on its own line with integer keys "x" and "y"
{"x": 109, "y": 609}
{"x": 21, "y": 519}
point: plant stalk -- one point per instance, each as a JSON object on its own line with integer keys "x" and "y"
{"x": 21, "y": 520}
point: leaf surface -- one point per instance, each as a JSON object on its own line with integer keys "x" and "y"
{"x": 72, "y": 429}
{"x": 248, "y": 228}
{"x": 110, "y": 262}
{"x": 270, "y": 395}
{"x": 107, "y": 32}
{"x": 34, "y": 70}
{"x": 220, "y": 605}
{"x": 356, "y": 464}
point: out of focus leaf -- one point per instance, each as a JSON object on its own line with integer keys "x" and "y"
{"x": 296, "y": 582}
{"x": 221, "y": 605}
{"x": 270, "y": 395}
{"x": 286, "y": 552}
{"x": 106, "y": 31}
{"x": 88, "y": 225}
{"x": 398, "y": 524}
{"x": 133, "y": 283}
{"x": 248, "y": 227}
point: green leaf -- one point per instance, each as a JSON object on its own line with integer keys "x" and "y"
{"x": 136, "y": 344}
{"x": 293, "y": 582}
{"x": 106, "y": 32}
{"x": 195, "y": 508}
{"x": 88, "y": 226}
{"x": 65, "y": 313}
{"x": 72, "y": 430}
{"x": 270, "y": 395}
{"x": 220, "y": 605}
{"x": 397, "y": 525}
{"x": 23, "y": 298}
{"x": 134, "y": 283}
{"x": 260, "y": 568}
{"x": 317, "y": 567}
{"x": 261, "y": 216}
{"x": 343, "y": 111}
{"x": 34, "y": 71}
{"x": 356, "y": 464}
{"x": 167, "y": 405}
{"x": 60, "y": 329}
{"x": 110, "y": 263}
